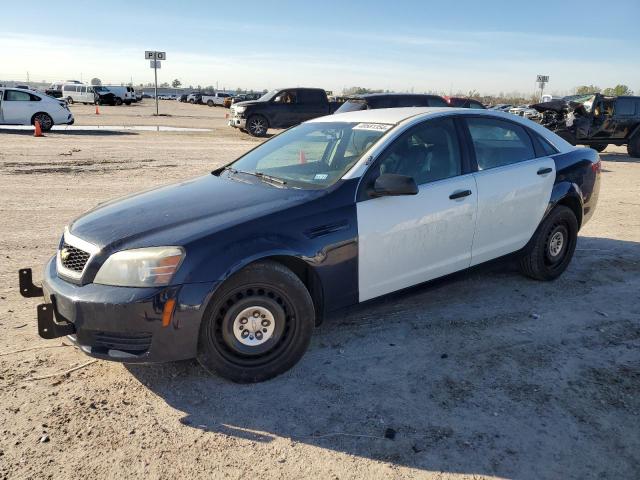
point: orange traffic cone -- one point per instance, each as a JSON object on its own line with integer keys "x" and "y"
{"x": 97, "y": 111}
{"x": 38, "y": 130}
{"x": 302, "y": 158}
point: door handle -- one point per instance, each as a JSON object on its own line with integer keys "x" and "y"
{"x": 544, "y": 171}
{"x": 460, "y": 194}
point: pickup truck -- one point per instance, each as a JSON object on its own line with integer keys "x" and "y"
{"x": 281, "y": 108}
{"x": 216, "y": 98}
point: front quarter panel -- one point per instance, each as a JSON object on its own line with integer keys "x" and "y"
{"x": 322, "y": 233}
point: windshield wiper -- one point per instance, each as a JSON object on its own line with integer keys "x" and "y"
{"x": 262, "y": 176}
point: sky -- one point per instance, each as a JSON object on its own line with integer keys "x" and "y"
{"x": 449, "y": 46}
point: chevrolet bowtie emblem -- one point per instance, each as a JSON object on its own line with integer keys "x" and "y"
{"x": 64, "y": 254}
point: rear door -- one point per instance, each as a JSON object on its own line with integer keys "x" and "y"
{"x": 514, "y": 186}
{"x": 311, "y": 104}
{"x": 407, "y": 240}
{"x": 1, "y": 114}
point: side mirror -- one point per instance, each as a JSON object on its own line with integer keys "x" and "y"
{"x": 391, "y": 184}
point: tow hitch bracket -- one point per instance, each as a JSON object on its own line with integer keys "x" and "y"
{"x": 27, "y": 288}
{"x": 47, "y": 326}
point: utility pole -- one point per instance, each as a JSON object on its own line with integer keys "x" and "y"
{"x": 155, "y": 58}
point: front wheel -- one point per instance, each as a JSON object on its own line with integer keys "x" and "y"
{"x": 258, "y": 325}
{"x": 551, "y": 249}
{"x": 210, "y": 103}
{"x": 118, "y": 101}
{"x": 600, "y": 147}
{"x": 257, "y": 126}
{"x": 70, "y": 100}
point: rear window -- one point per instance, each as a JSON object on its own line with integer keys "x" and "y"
{"x": 311, "y": 96}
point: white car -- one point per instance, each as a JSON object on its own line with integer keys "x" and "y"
{"x": 24, "y": 107}
{"x": 216, "y": 99}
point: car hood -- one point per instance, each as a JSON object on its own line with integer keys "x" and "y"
{"x": 179, "y": 213}
{"x": 248, "y": 103}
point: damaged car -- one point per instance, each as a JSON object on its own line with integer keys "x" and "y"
{"x": 594, "y": 120}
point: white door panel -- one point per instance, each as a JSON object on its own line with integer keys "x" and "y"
{"x": 511, "y": 202}
{"x": 407, "y": 240}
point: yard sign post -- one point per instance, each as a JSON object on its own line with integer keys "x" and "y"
{"x": 155, "y": 58}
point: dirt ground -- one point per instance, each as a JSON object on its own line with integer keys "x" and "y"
{"x": 486, "y": 374}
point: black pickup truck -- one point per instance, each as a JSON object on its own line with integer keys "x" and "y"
{"x": 595, "y": 120}
{"x": 281, "y": 108}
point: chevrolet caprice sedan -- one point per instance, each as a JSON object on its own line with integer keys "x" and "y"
{"x": 236, "y": 267}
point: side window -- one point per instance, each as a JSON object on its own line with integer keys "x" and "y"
{"x": 288, "y": 96}
{"x": 309, "y": 97}
{"x": 34, "y": 98}
{"x": 16, "y": 96}
{"x": 428, "y": 153}
{"x": 546, "y": 148}
{"x": 625, "y": 106}
{"x": 498, "y": 143}
{"x": 437, "y": 102}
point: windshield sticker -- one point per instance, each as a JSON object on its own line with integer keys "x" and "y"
{"x": 378, "y": 127}
{"x": 321, "y": 176}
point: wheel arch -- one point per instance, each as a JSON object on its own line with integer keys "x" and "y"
{"x": 569, "y": 195}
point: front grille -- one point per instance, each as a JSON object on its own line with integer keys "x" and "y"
{"x": 126, "y": 342}
{"x": 73, "y": 258}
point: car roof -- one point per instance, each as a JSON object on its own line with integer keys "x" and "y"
{"x": 383, "y": 115}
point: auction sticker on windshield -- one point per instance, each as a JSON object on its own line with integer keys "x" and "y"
{"x": 378, "y": 127}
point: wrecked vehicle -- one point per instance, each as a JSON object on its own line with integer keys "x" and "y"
{"x": 594, "y": 120}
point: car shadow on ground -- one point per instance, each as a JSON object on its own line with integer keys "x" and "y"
{"x": 91, "y": 133}
{"x": 484, "y": 372}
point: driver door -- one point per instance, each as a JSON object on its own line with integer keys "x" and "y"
{"x": 407, "y": 240}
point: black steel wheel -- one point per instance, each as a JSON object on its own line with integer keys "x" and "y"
{"x": 258, "y": 325}
{"x": 551, "y": 249}
{"x": 600, "y": 147}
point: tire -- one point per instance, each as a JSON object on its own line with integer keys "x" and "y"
{"x": 568, "y": 136}
{"x": 633, "y": 147}
{"x": 599, "y": 147}
{"x": 267, "y": 292}
{"x": 118, "y": 101}
{"x": 210, "y": 103}
{"x": 70, "y": 100}
{"x": 257, "y": 126}
{"x": 127, "y": 102}
{"x": 46, "y": 122}
{"x": 192, "y": 101}
{"x": 551, "y": 249}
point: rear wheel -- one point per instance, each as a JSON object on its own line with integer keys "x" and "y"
{"x": 633, "y": 147}
{"x": 258, "y": 324}
{"x": 552, "y": 246}
{"x": 210, "y": 103}
{"x": 599, "y": 147}
{"x": 192, "y": 101}
{"x": 118, "y": 101}
{"x": 257, "y": 126}
{"x": 46, "y": 122}
{"x": 70, "y": 100}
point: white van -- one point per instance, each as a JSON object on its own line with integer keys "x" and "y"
{"x": 123, "y": 94}
{"x": 78, "y": 93}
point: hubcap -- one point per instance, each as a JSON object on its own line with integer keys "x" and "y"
{"x": 556, "y": 243}
{"x": 253, "y": 326}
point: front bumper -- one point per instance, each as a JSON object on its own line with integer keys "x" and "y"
{"x": 121, "y": 323}
{"x": 238, "y": 122}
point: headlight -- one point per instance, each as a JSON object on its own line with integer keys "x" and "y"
{"x": 239, "y": 109}
{"x": 141, "y": 267}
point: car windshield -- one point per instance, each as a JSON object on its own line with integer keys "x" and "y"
{"x": 311, "y": 155}
{"x": 352, "y": 105}
{"x": 269, "y": 95}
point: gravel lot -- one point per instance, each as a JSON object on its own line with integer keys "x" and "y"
{"x": 486, "y": 374}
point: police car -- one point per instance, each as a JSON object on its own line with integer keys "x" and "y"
{"x": 236, "y": 267}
